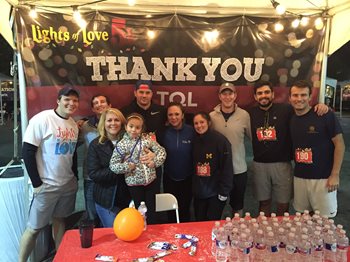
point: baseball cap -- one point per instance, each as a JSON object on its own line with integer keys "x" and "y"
{"x": 68, "y": 90}
{"x": 144, "y": 85}
{"x": 227, "y": 86}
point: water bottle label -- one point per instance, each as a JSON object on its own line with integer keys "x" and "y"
{"x": 245, "y": 251}
{"x": 282, "y": 245}
{"x": 331, "y": 246}
{"x": 273, "y": 249}
{"x": 342, "y": 247}
{"x": 260, "y": 246}
{"x": 319, "y": 248}
{"x": 290, "y": 249}
{"x": 222, "y": 244}
{"x": 304, "y": 251}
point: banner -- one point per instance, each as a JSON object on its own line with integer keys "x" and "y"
{"x": 186, "y": 57}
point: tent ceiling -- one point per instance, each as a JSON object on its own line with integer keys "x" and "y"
{"x": 339, "y": 10}
{"x": 218, "y": 7}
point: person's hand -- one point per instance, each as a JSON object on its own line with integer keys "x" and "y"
{"x": 80, "y": 123}
{"x": 132, "y": 166}
{"x": 147, "y": 157}
{"x": 321, "y": 109}
{"x": 332, "y": 182}
{"x": 37, "y": 190}
{"x": 222, "y": 198}
{"x": 151, "y": 164}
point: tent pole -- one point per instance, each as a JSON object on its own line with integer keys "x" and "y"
{"x": 321, "y": 95}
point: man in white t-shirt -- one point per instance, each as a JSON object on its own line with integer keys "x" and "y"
{"x": 49, "y": 154}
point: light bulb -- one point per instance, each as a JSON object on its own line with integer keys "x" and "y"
{"x": 280, "y": 9}
{"x": 279, "y": 27}
{"x": 296, "y": 23}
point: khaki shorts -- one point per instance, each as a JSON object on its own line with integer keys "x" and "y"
{"x": 312, "y": 194}
{"x": 52, "y": 201}
{"x": 273, "y": 180}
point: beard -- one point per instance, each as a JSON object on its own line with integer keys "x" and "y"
{"x": 268, "y": 104}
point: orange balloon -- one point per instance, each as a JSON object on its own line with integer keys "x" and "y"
{"x": 128, "y": 224}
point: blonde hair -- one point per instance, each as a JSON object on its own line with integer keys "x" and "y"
{"x": 101, "y": 124}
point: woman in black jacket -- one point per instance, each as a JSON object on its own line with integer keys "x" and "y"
{"x": 110, "y": 190}
{"x": 213, "y": 169}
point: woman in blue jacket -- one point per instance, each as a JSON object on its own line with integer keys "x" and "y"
{"x": 178, "y": 170}
{"x": 213, "y": 176}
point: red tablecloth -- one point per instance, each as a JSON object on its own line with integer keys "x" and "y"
{"x": 106, "y": 243}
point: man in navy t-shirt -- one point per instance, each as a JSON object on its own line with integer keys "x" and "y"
{"x": 318, "y": 149}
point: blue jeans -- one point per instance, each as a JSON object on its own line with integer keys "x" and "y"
{"x": 106, "y": 216}
{"x": 89, "y": 199}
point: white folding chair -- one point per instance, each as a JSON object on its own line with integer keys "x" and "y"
{"x": 165, "y": 202}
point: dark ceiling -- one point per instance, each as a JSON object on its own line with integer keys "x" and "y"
{"x": 338, "y": 63}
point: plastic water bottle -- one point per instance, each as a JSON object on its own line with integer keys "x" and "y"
{"x": 244, "y": 248}
{"x": 282, "y": 240}
{"x": 342, "y": 247}
{"x": 143, "y": 210}
{"x": 221, "y": 248}
{"x": 214, "y": 233}
{"x": 330, "y": 246}
{"x": 233, "y": 254}
{"x": 272, "y": 247}
{"x": 291, "y": 248}
{"x": 304, "y": 249}
{"x": 259, "y": 251}
{"x": 317, "y": 247}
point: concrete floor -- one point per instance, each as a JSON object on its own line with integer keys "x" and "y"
{"x": 251, "y": 205}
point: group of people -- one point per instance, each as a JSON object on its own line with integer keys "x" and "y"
{"x": 129, "y": 152}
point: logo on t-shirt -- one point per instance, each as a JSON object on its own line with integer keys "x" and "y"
{"x": 312, "y": 130}
{"x": 66, "y": 140}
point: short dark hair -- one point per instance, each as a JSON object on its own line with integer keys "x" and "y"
{"x": 178, "y": 104}
{"x": 92, "y": 99}
{"x": 302, "y": 84}
{"x": 262, "y": 83}
{"x": 205, "y": 115}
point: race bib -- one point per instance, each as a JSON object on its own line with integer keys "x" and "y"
{"x": 266, "y": 134}
{"x": 203, "y": 169}
{"x": 303, "y": 155}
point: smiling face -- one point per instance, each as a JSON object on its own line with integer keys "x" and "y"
{"x": 175, "y": 117}
{"x": 143, "y": 97}
{"x": 201, "y": 125}
{"x": 264, "y": 96}
{"x": 67, "y": 105}
{"x": 300, "y": 98}
{"x": 112, "y": 125}
{"x": 227, "y": 98}
{"x": 99, "y": 104}
{"x": 134, "y": 127}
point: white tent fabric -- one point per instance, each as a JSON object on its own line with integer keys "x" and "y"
{"x": 338, "y": 10}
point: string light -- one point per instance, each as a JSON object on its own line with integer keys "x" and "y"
{"x": 211, "y": 36}
{"x": 279, "y": 27}
{"x": 319, "y": 23}
{"x": 131, "y": 2}
{"x": 304, "y": 21}
{"x": 295, "y": 23}
{"x": 280, "y": 9}
{"x": 151, "y": 34}
{"x": 32, "y": 13}
{"x": 76, "y": 13}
